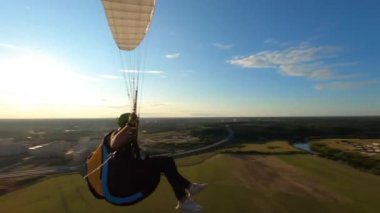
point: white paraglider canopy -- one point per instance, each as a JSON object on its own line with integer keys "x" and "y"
{"x": 129, "y": 20}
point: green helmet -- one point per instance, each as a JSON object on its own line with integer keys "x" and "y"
{"x": 123, "y": 119}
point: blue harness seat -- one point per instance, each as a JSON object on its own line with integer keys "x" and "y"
{"x": 123, "y": 179}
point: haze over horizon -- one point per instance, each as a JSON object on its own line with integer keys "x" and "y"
{"x": 204, "y": 59}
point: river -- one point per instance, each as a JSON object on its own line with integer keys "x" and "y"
{"x": 303, "y": 146}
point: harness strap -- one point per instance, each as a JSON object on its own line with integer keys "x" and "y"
{"x": 109, "y": 157}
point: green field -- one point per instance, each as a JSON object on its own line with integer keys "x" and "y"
{"x": 238, "y": 183}
{"x": 259, "y": 171}
{"x": 269, "y": 148}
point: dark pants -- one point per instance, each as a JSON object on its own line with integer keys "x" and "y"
{"x": 166, "y": 165}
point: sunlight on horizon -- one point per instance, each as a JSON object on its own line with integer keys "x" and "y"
{"x": 35, "y": 79}
{"x": 41, "y": 86}
{"x": 37, "y": 85}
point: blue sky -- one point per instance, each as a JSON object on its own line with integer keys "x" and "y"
{"x": 210, "y": 58}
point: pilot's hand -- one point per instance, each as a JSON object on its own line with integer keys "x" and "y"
{"x": 132, "y": 119}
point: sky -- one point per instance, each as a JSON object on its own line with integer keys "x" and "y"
{"x": 202, "y": 58}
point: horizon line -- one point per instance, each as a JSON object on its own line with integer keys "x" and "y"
{"x": 197, "y": 117}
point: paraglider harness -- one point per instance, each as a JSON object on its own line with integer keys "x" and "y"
{"x": 143, "y": 180}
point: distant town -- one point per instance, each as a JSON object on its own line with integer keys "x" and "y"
{"x": 369, "y": 149}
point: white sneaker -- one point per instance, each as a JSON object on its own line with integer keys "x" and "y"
{"x": 188, "y": 206}
{"x": 195, "y": 188}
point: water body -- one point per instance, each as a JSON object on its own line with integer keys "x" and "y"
{"x": 304, "y": 147}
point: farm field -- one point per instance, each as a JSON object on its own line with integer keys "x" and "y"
{"x": 238, "y": 183}
{"x": 257, "y": 171}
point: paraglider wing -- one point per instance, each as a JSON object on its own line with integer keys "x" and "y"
{"x": 115, "y": 176}
{"x": 129, "y": 20}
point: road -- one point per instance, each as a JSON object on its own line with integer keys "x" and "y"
{"x": 179, "y": 154}
{"x": 68, "y": 169}
{"x": 41, "y": 171}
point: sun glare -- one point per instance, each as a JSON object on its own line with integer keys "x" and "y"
{"x": 40, "y": 81}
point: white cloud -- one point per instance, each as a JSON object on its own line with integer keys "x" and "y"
{"x": 344, "y": 85}
{"x": 222, "y": 46}
{"x": 321, "y": 74}
{"x": 154, "y": 72}
{"x": 171, "y": 56}
{"x": 161, "y": 74}
{"x": 314, "y": 72}
{"x": 302, "y": 61}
